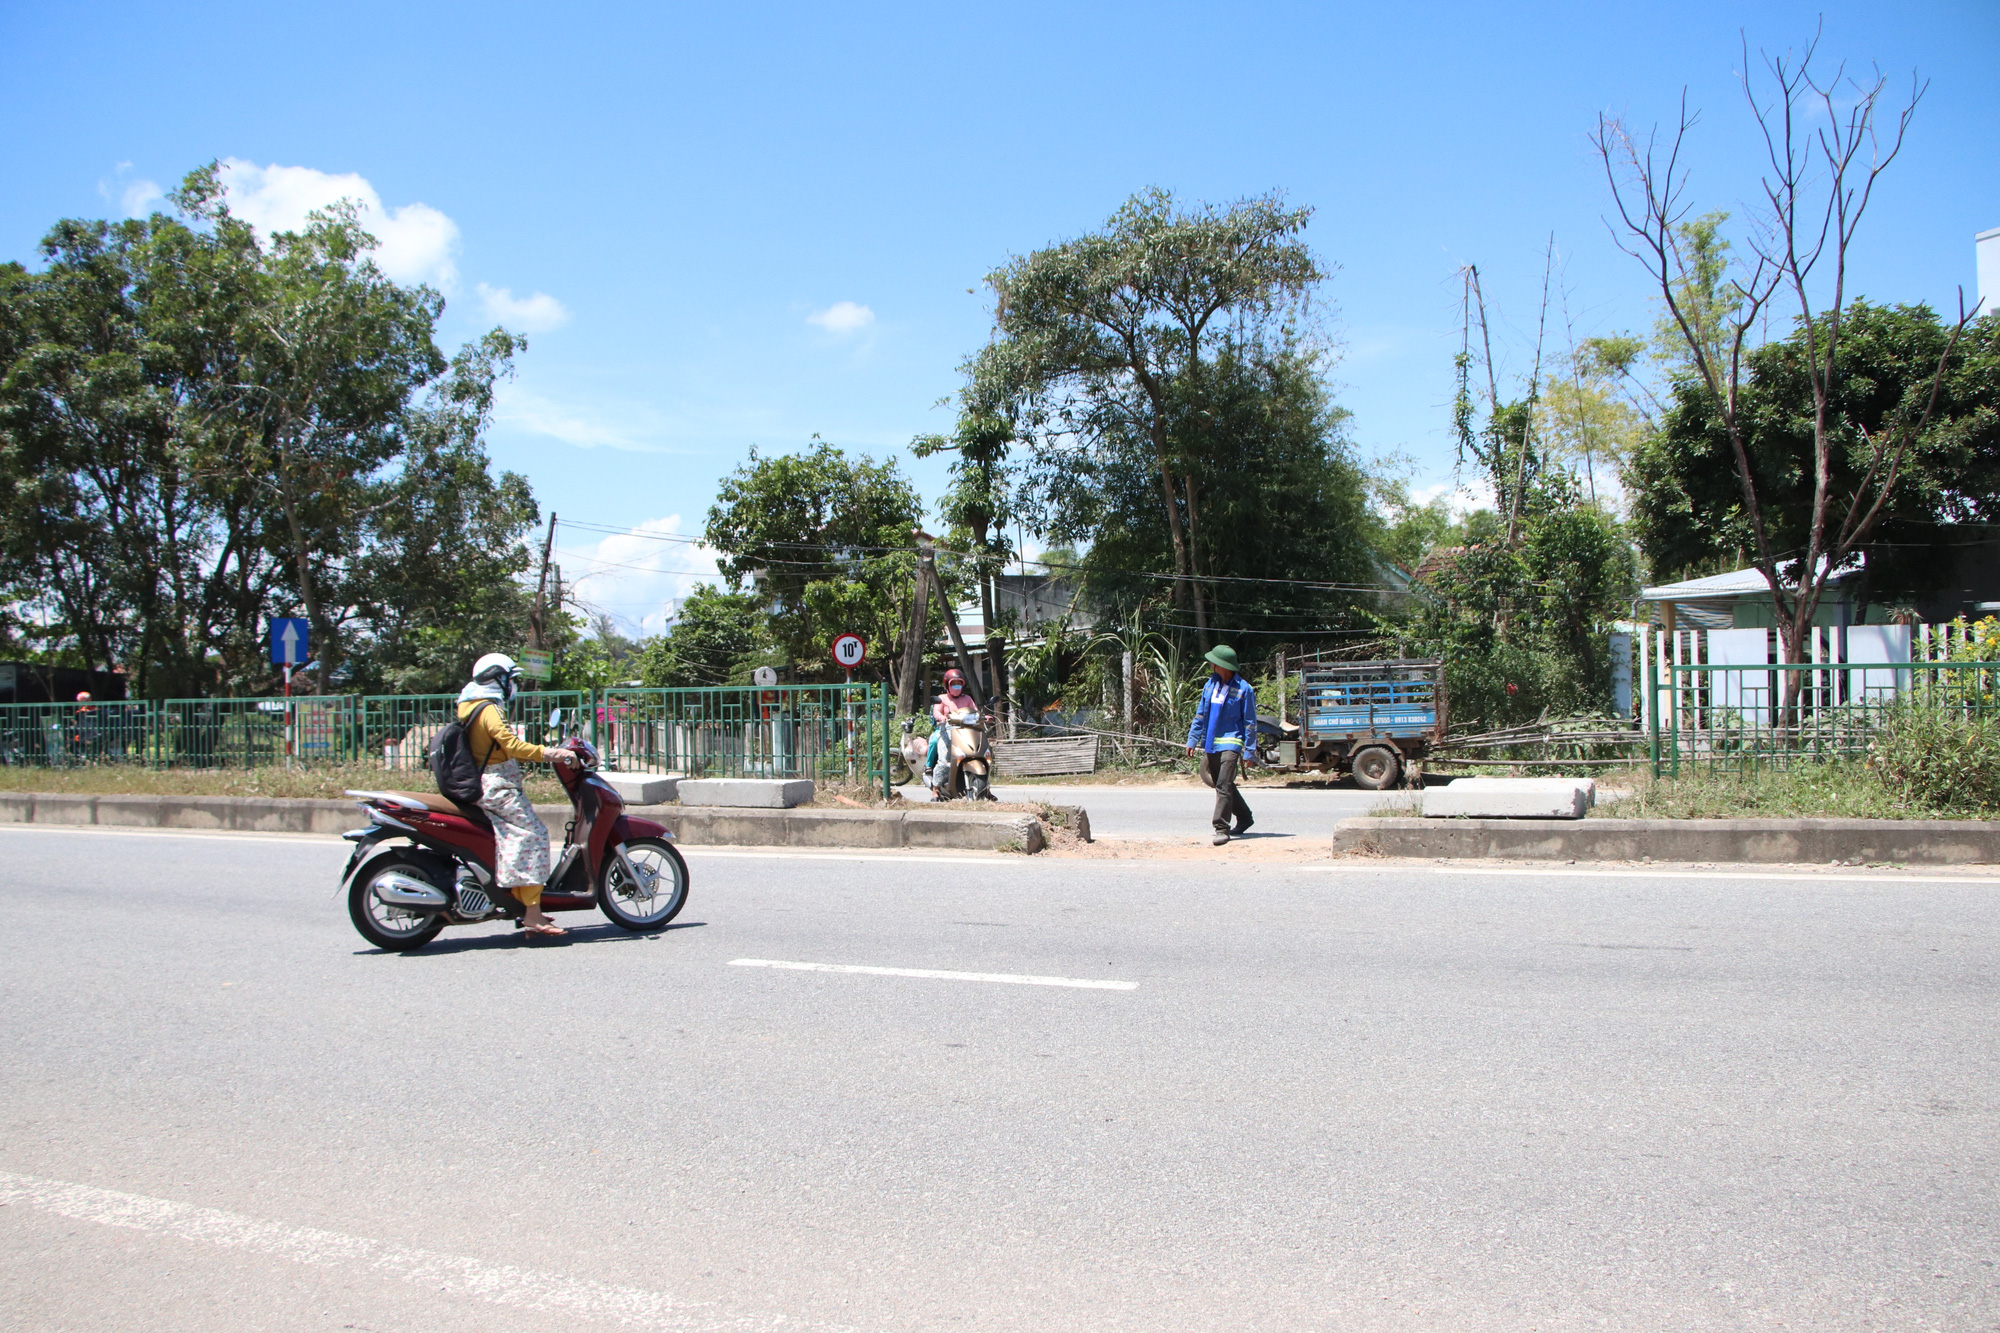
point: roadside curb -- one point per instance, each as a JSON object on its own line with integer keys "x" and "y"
{"x": 1743, "y": 841}
{"x": 695, "y": 825}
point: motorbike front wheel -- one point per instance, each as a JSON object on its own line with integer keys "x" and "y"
{"x": 657, "y": 898}
{"x": 388, "y": 925}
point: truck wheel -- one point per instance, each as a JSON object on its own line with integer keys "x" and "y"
{"x": 1377, "y": 768}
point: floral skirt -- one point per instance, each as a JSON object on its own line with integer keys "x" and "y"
{"x": 520, "y": 839}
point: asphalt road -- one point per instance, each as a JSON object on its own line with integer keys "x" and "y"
{"x": 1332, "y": 1098}
{"x": 1185, "y": 812}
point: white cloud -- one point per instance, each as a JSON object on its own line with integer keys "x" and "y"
{"x": 640, "y": 576}
{"x": 529, "y": 314}
{"x": 1460, "y": 497}
{"x": 586, "y": 428}
{"x": 843, "y": 318}
{"x": 415, "y": 242}
{"x": 139, "y": 198}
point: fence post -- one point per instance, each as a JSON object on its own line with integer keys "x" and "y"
{"x": 1653, "y": 706}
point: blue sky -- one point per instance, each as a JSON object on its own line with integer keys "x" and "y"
{"x": 746, "y": 224}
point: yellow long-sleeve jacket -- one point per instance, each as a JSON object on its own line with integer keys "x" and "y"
{"x": 493, "y": 740}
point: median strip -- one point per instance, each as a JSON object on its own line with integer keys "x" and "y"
{"x": 933, "y": 974}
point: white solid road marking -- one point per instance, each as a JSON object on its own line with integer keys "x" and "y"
{"x": 199, "y": 835}
{"x": 497, "y": 1284}
{"x": 1633, "y": 872}
{"x": 1006, "y": 978}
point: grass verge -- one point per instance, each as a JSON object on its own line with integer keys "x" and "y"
{"x": 1835, "y": 790}
{"x": 327, "y": 781}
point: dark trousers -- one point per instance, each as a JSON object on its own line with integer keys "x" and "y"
{"x": 1218, "y": 770}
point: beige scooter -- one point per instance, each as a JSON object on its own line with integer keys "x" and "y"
{"x": 970, "y": 775}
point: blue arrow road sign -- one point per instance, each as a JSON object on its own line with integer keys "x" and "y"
{"x": 288, "y": 642}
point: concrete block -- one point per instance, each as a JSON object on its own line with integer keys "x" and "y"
{"x": 1742, "y": 841}
{"x": 753, "y": 793}
{"x": 17, "y": 807}
{"x": 643, "y": 788}
{"x": 968, "y": 832}
{"x": 1510, "y": 798}
{"x": 132, "y": 811}
{"x": 844, "y": 828}
{"x": 721, "y": 825}
{"x": 59, "y": 809}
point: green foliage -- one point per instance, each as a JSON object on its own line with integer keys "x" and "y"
{"x": 825, "y": 540}
{"x": 1941, "y": 757}
{"x": 1687, "y": 501}
{"x": 1522, "y": 629}
{"x": 716, "y": 639}
{"x": 1836, "y": 789}
{"x": 1130, "y": 362}
{"x": 199, "y": 430}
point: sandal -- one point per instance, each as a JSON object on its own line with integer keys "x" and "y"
{"x": 545, "y": 928}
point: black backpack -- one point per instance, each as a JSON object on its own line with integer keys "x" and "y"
{"x": 452, "y": 764}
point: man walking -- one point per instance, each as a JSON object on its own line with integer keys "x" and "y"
{"x": 1225, "y": 724}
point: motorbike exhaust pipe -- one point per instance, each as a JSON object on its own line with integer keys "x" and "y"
{"x": 409, "y": 891}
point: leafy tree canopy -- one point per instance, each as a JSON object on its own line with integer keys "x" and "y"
{"x": 825, "y": 542}
{"x": 1687, "y": 503}
{"x": 200, "y": 430}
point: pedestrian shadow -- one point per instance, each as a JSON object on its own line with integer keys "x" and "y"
{"x": 604, "y": 933}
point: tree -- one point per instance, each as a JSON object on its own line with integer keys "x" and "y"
{"x": 438, "y": 582}
{"x": 1688, "y": 504}
{"x": 1284, "y": 545}
{"x": 1825, "y": 154}
{"x": 825, "y": 541}
{"x": 1103, "y": 343}
{"x": 716, "y": 638}
{"x": 980, "y": 503}
{"x": 1521, "y": 624}
{"x": 200, "y": 429}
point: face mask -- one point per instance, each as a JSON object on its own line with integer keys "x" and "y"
{"x": 956, "y": 688}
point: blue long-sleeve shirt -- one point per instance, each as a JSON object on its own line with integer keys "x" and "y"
{"x": 1226, "y": 724}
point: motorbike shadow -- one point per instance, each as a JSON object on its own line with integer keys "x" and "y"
{"x": 514, "y": 939}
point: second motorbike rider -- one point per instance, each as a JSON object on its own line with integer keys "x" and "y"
{"x": 955, "y": 699}
{"x": 520, "y": 839}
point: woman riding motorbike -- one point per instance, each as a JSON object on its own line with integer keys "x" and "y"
{"x": 520, "y": 839}
{"x": 955, "y": 699}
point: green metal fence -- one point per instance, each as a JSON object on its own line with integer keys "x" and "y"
{"x": 67, "y": 735}
{"x": 837, "y": 732}
{"x": 827, "y": 732}
{"x": 401, "y": 727}
{"x": 1740, "y": 718}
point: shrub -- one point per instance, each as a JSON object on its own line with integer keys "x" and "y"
{"x": 1939, "y": 756}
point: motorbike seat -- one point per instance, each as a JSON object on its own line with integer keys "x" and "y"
{"x": 444, "y": 805}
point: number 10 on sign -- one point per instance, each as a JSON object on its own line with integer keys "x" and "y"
{"x": 850, "y": 650}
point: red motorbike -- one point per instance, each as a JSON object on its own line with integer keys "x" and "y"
{"x": 425, "y": 862}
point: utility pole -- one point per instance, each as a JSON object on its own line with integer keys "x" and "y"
{"x": 541, "y": 587}
{"x": 918, "y": 641}
{"x": 927, "y": 566}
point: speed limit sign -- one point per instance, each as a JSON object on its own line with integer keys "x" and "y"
{"x": 850, "y": 650}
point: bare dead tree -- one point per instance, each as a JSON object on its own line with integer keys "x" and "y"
{"x": 1825, "y": 150}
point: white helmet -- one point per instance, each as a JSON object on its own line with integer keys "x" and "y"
{"x": 497, "y": 669}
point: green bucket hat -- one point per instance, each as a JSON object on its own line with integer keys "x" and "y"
{"x": 1224, "y": 656}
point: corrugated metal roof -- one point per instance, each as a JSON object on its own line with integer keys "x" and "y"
{"x": 1736, "y": 583}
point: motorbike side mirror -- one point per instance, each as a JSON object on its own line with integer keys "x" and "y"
{"x": 555, "y": 718}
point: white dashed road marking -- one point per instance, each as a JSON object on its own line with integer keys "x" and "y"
{"x": 1006, "y": 978}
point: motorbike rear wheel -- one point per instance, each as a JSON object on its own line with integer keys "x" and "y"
{"x": 387, "y": 925}
{"x": 655, "y": 901}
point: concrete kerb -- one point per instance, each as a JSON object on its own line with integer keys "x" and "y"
{"x": 694, "y": 825}
{"x": 1737, "y": 841}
